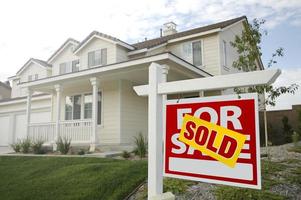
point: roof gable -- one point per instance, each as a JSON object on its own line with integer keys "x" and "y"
{"x": 38, "y": 62}
{"x": 62, "y": 47}
{"x": 96, "y": 34}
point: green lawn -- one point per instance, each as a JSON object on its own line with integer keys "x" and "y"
{"x": 68, "y": 178}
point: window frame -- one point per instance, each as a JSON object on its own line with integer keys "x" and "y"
{"x": 191, "y": 47}
{"x": 82, "y": 117}
{"x": 94, "y": 64}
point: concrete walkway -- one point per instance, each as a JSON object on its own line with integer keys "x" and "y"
{"x": 5, "y": 150}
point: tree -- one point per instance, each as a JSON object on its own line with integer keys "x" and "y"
{"x": 248, "y": 47}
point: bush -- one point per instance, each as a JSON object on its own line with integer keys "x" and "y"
{"x": 140, "y": 146}
{"x": 25, "y": 145}
{"x": 81, "y": 152}
{"x": 176, "y": 186}
{"x": 37, "y": 147}
{"x": 16, "y": 146}
{"x": 63, "y": 145}
{"x": 126, "y": 154}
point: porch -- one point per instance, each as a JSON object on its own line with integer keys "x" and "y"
{"x": 119, "y": 117}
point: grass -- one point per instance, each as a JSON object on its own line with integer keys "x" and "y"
{"x": 58, "y": 178}
{"x": 296, "y": 149}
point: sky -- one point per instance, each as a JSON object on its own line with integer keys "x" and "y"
{"x": 35, "y": 28}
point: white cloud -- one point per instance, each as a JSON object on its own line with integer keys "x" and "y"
{"x": 288, "y": 77}
{"x": 35, "y": 28}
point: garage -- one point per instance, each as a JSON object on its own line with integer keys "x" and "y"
{"x": 4, "y": 131}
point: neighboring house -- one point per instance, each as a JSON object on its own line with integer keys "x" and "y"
{"x": 85, "y": 89}
{"x": 5, "y": 90}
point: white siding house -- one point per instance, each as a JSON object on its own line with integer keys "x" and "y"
{"x": 84, "y": 91}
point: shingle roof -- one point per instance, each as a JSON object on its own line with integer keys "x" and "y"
{"x": 101, "y": 35}
{"x": 161, "y": 40}
{"x": 5, "y": 85}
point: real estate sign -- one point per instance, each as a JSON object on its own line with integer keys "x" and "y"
{"x": 214, "y": 140}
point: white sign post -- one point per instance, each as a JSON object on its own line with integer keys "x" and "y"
{"x": 156, "y": 90}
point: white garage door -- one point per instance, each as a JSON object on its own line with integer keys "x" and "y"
{"x": 4, "y": 131}
{"x": 20, "y": 129}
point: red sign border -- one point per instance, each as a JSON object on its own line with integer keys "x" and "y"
{"x": 254, "y": 184}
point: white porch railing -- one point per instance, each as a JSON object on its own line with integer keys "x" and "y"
{"x": 42, "y": 132}
{"x": 79, "y": 131}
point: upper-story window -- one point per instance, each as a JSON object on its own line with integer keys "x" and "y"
{"x": 36, "y": 76}
{"x": 33, "y": 77}
{"x": 68, "y": 67}
{"x": 225, "y": 53}
{"x": 98, "y": 57}
{"x": 192, "y": 52}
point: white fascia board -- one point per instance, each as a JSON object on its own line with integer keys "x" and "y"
{"x": 13, "y": 78}
{"x": 10, "y": 102}
{"x": 28, "y": 63}
{"x": 158, "y": 46}
{"x": 194, "y": 35}
{"x": 245, "y": 79}
{"x": 60, "y": 51}
{"x": 93, "y": 71}
{"x": 137, "y": 51}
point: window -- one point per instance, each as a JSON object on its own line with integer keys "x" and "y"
{"x": 98, "y": 57}
{"x": 73, "y": 105}
{"x": 225, "y": 53}
{"x": 36, "y": 76}
{"x": 29, "y": 78}
{"x": 63, "y": 68}
{"x": 197, "y": 53}
{"x": 192, "y": 52}
{"x": 68, "y": 67}
{"x": 88, "y": 106}
{"x": 68, "y": 108}
{"x": 75, "y": 65}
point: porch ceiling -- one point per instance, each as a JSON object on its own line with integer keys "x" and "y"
{"x": 133, "y": 70}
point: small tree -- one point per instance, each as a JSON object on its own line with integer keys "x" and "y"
{"x": 248, "y": 47}
{"x": 287, "y": 129}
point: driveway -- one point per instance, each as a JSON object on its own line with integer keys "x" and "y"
{"x": 5, "y": 150}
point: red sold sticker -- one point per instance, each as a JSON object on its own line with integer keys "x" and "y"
{"x": 239, "y": 115}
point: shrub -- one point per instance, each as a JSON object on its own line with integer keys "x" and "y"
{"x": 16, "y": 146}
{"x": 63, "y": 145}
{"x": 176, "y": 186}
{"x": 37, "y": 147}
{"x": 81, "y": 152}
{"x": 126, "y": 154}
{"x": 25, "y": 145}
{"x": 140, "y": 146}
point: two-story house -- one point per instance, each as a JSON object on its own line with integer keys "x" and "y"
{"x": 84, "y": 91}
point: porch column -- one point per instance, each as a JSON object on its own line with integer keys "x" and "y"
{"x": 95, "y": 84}
{"x": 28, "y": 111}
{"x": 58, "y": 89}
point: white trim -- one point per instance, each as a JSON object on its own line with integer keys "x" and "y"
{"x": 194, "y": 35}
{"x": 61, "y": 49}
{"x": 117, "y": 66}
{"x": 137, "y": 52}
